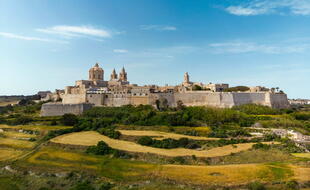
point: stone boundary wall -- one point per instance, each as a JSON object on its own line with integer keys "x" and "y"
{"x": 58, "y": 109}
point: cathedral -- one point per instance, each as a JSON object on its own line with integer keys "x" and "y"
{"x": 117, "y": 91}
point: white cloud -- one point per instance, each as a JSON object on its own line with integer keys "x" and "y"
{"x": 258, "y": 7}
{"x": 75, "y": 31}
{"x": 120, "y": 51}
{"x": 158, "y": 27}
{"x": 28, "y": 38}
{"x": 244, "y": 47}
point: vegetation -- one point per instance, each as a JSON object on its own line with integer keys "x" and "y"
{"x": 168, "y": 143}
{"x": 237, "y": 89}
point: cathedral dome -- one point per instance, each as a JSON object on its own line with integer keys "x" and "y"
{"x": 96, "y": 73}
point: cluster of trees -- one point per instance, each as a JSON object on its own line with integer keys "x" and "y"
{"x": 187, "y": 116}
{"x": 168, "y": 143}
{"x": 237, "y": 89}
{"x": 100, "y": 149}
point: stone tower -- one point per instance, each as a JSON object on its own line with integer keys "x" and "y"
{"x": 123, "y": 75}
{"x": 186, "y": 78}
{"x": 113, "y": 75}
{"x": 96, "y": 73}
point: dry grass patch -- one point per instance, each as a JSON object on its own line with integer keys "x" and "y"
{"x": 89, "y": 138}
{"x": 34, "y": 127}
{"x": 13, "y": 134}
{"x": 302, "y": 155}
{"x": 8, "y": 103}
{"x": 61, "y": 158}
{"x": 162, "y": 135}
{"x": 226, "y": 174}
{"x": 15, "y": 143}
{"x": 8, "y": 153}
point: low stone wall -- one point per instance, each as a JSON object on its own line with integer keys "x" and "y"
{"x": 58, "y": 109}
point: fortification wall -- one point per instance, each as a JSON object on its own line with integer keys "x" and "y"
{"x": 58, "y": 109}
{"x": 279, "y": 101}
{"x": 250, "y": 98}
{"x": 96, "y": 99}
{"x": 116, "y": 100}
{"x": 73, "y": 98}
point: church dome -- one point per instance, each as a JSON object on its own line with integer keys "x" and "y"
{"x": 96, "y": 73}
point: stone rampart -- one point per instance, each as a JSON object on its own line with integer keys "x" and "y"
{"x": 58, "y": 109}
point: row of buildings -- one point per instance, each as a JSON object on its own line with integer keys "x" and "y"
{"x": 118, "y": 91}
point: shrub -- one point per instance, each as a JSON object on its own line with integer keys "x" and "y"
{"x": 256, "y": 186}
{"x": 69, "y": 119}
{"x": 255, "y": 109}
{"x": 237, "y": 89}
{"x": 106, "y": 186}
{"x": 110, "y": 132}
{"x": 146, "y": 141}
{"x": 261, "y": 146}
{"x": 292, "y": 185}
{"x": 83, "y": 186}
{"x": 101, "y": 149}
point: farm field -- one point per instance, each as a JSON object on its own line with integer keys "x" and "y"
{"x": 9, "y": 153}
{"x": 161, "y": 135}
{"x": 89, "y": 138}
{"x": 34, "y": 127}
{"x": 302, "y": 155}
{"x": 14, "y": 134}
{"x": 15, "y": 143}
{"x": 122, "y": 169}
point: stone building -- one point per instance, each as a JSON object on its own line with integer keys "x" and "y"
{"x": 118, "y": 91}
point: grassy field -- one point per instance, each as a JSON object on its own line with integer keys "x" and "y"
{"x": 34, "y": 127}
{"x": 89, "y": 138}
{"x": 8, "y": 103}
{"x": 15, "y": 143}
{"x": 9, "y": 153}
{"x": 14, "y": 134}
{"x": 302, "y": 155}
{"x": 161, "y": 135}
{"x": 124, "y": 170}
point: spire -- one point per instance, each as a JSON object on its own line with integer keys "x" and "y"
{"x": 113, "y": 75}
{"x": 123, "y": 75}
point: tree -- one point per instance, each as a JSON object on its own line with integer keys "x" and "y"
{"x": 196, "y": 88}
{"x": 69, "y": 119}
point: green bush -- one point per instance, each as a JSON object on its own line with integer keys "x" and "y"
{"x": 106, "y": 186}
{"x": 237, "y": 89}
{"x": 101, "y": 149}
{"x": 261, "y": 146}
{"x": 256, "y": 186}
{"x": 69, "y": 119}
{"x": 255, "y": 109}
{"x": 110, "y": 132}
{"x": 83, "y": 186}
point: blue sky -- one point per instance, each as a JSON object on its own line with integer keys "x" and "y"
{"x": 48, "y": 44}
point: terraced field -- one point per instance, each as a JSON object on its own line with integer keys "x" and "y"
{"x": 89, "y": 138}
{"x": 161, "y": 135}
{"x": 122, "y": 169}
{"x": 33, "y": 127}
{"x": 9, "y": 153}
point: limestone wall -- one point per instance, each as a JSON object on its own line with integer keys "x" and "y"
{"x": 279, "y": 101}
{"x": 57, "y": 109}
{"x": 73, "y": 98}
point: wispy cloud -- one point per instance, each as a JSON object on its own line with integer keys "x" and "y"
{"x": 76, "y": 31}
{"x": 258, "y": 7}
{"x": 158, "y": 27}
{"x": 120, "y": 51}
{"x": 247, "y": 47}
{"x": 29, "y": 38}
